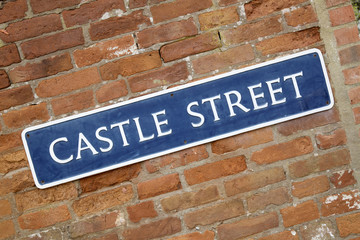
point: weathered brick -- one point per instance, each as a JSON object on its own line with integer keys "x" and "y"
{"x": 111, "y": 236}
{"x": 137, "y": 3}
{"x": 282, "y": 151}
{"x": 26, "y": 115}
{"x": 16, "y": 182}
{"x": 320, "y": 229}
{"x": 12, "y": 161}
{"x": 35, "y": 198}
{"x": 310, "y": 186}
{"x": 335, "y": 138}
{"x": 177, "y": 159}
{"x": 218, "y": 18}
{"x": 286, "y": 235}
{"x": 352, "y": 75}
{"x": 109, "y": 178}
{"x": 354, "y": 95}
{"x": 251, "y": 31}
{"x": 356, "y": 112}
{"x": 226, "y": 2}
{"x": 190, "y": 199}
{"x": 32, "y": 27}
{"x": 90, "y": 11}
{"x": 105, "y": 50}
{"x": 301, "y": 213}
{"x": 309, "y": 122}
{"x": 348, "y": 224}
{"x": 247, "y": 227}
{"x": 11, "y": 140}
{"x": 301, "y": 16}
{"x": 215, "y": 170}
{"x": 159, "y": 77}
{"x": 117, "y": 25}
{"x": 343, "y": 178}
{"x": 190, "y": 46}
{"x": 258, "y": 8}
{"x": 44, "y": 68}
{"x": 39, "y": 6}
{"x": 220, "y": 60}
{"x": 207, "y": 235}
{"x": 254, "y": 181}
{"x": 74, "y": 102}
{"x": 9, "y": 55}
{"x": 341, "y": 15}
{"x": 260, "y": 201}
{"x": 100, "y": 201}
{"x": 67, "y": 83}
{"x": 111, "y": 91}
{"x": 244, "y": 140}
{"x": 53, "y": 233}
{"x": 289, "y": 41}
{"x": 141, "y": 210}
{"x": 5, "y": 208}
{"x": 178, "y": 8}
{"x": 15, "y": 96}
{"x": 131, "y": 65}
{"x": 158, "y": 229}
{"x": 319, "y": 163}
{"x": 158, "y": 186}
{"x": 166, "y": 32}
{"x": 4, "y": 79}
{"x": 44, "y": 218}
{"x": 340, "y": 203}
{"x": 59, "y": 41}
{"x": 348, "y": 55}
{"x": 7, "y": 229}
{"x": 346, "y": 35}
{"x": 13, "y": 10}
{"x": 331, "y": 3}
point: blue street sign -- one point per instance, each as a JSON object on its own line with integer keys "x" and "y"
{"x": 178, "y": 118}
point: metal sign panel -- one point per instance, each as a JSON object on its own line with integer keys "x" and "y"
{"x": 157, "y": 124}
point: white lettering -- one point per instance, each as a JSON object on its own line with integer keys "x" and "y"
{"x": 273, "y": 91}
{"x": 212, "y": 104}
{"x": 237, "y": 103}
{"x": 293, "y": 78}
{"x": 254, "y": 97}
{"x": 140, "y": 133}
{"x": 82, "y": 139}
{"x": 195, "y": 114}
{"x": 52, "y": 153}
{"x": 122, "y": 132}
{"x": 158, "y": 124}
{"x": 104, "y": 139}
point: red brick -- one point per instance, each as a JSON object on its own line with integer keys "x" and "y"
{"x": 190, "y": 199}
{"x": 348, "y": 224}
{"x": 248, "y": 226}
{"x": 7, "y": 229}
{"x": 259, "y": 8}
{"x": 286, "y": 235}
{"x": 67, "y": 83}
{"x": 9, "y": 55}
{"x": 32, "y": 27}
{"x": 323, "y": 229}
{"x": 16, "y": 182}
{"x": 166, "y": 32}
{"x": 26, "y": 115}
{"x": 227, "y": 2}
{"x": 44, "y": 68}
{"x": 59, "y": 41}
{"x": 260, "y": 201}
{"x": 5, "y": 208}
{"x": 331, "y": 3}
{"x": 207, "y": 235}
{"x": 44, "y": 218}
{"x": 319, "y": 163}
{"x": 218, "y": 18}
{"x": 35, "y": 198}
{"x": 215, "y": 170}
{"x": 52, "y": 233}
{"x": 244, "y": 140}
{"x": 309, "y": 122}
{"x": 282, "y": 151}
{"x": 289, "y": 41}
{"x": 74, "y": 102}
{"x": 131, "y": 65}
{"x": 310, "y": 186}
{"x": 346, "y": 35}
{"x": 178, "y": 8}
{"x": 177, "y": 159}
{"x": 94, "y": 224}
{"x": 220, "y": 60}
{"x": 111, "y": 91}
{"x": 356, "y": 112}
{"x": 105, "y": 50}
{"x": 137, "y": 3}
{"x": 11, "y": 140}
{"x": 117, "y": 25}
{"x": 343, "y": 178}
{"x": 90, "y": 11}
{"x": 15, "y": 96}
{"x": 340, "y": 203}
{"x": 12, "y": 161}
{"x": 111, "y": 236}
{"x": 336, "y": 138}
{"x": 190, "y": 46}
{"x": 251, "y": 31}
{"x": 158, "y": 186}
{"x": 39, "y": 6}
{"x": 254, "y": 181}
{"x": 216, "y": 213}
{"x": 341, "y": 15}
{"x": 354, "y": 95}
{"x": 4, "y": 79}
{"x": 141, "y": 210}
{"x": 352, "y": 75}
{"x": 350, "y": 55}
{"x": 13, "y": 10}
{"x": 301, "y": 16}
{"x": 158, "y": 229}
{"x": 301, "y": 213}
{"x": 96, "y": 202}
{"x": 159, "y": 77}
{"x": 109, "y": 178}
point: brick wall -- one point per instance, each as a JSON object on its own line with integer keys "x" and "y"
{"x": 295, "y": 180}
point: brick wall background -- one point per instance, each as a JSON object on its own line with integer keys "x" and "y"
{"x": 295, "y": 180}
